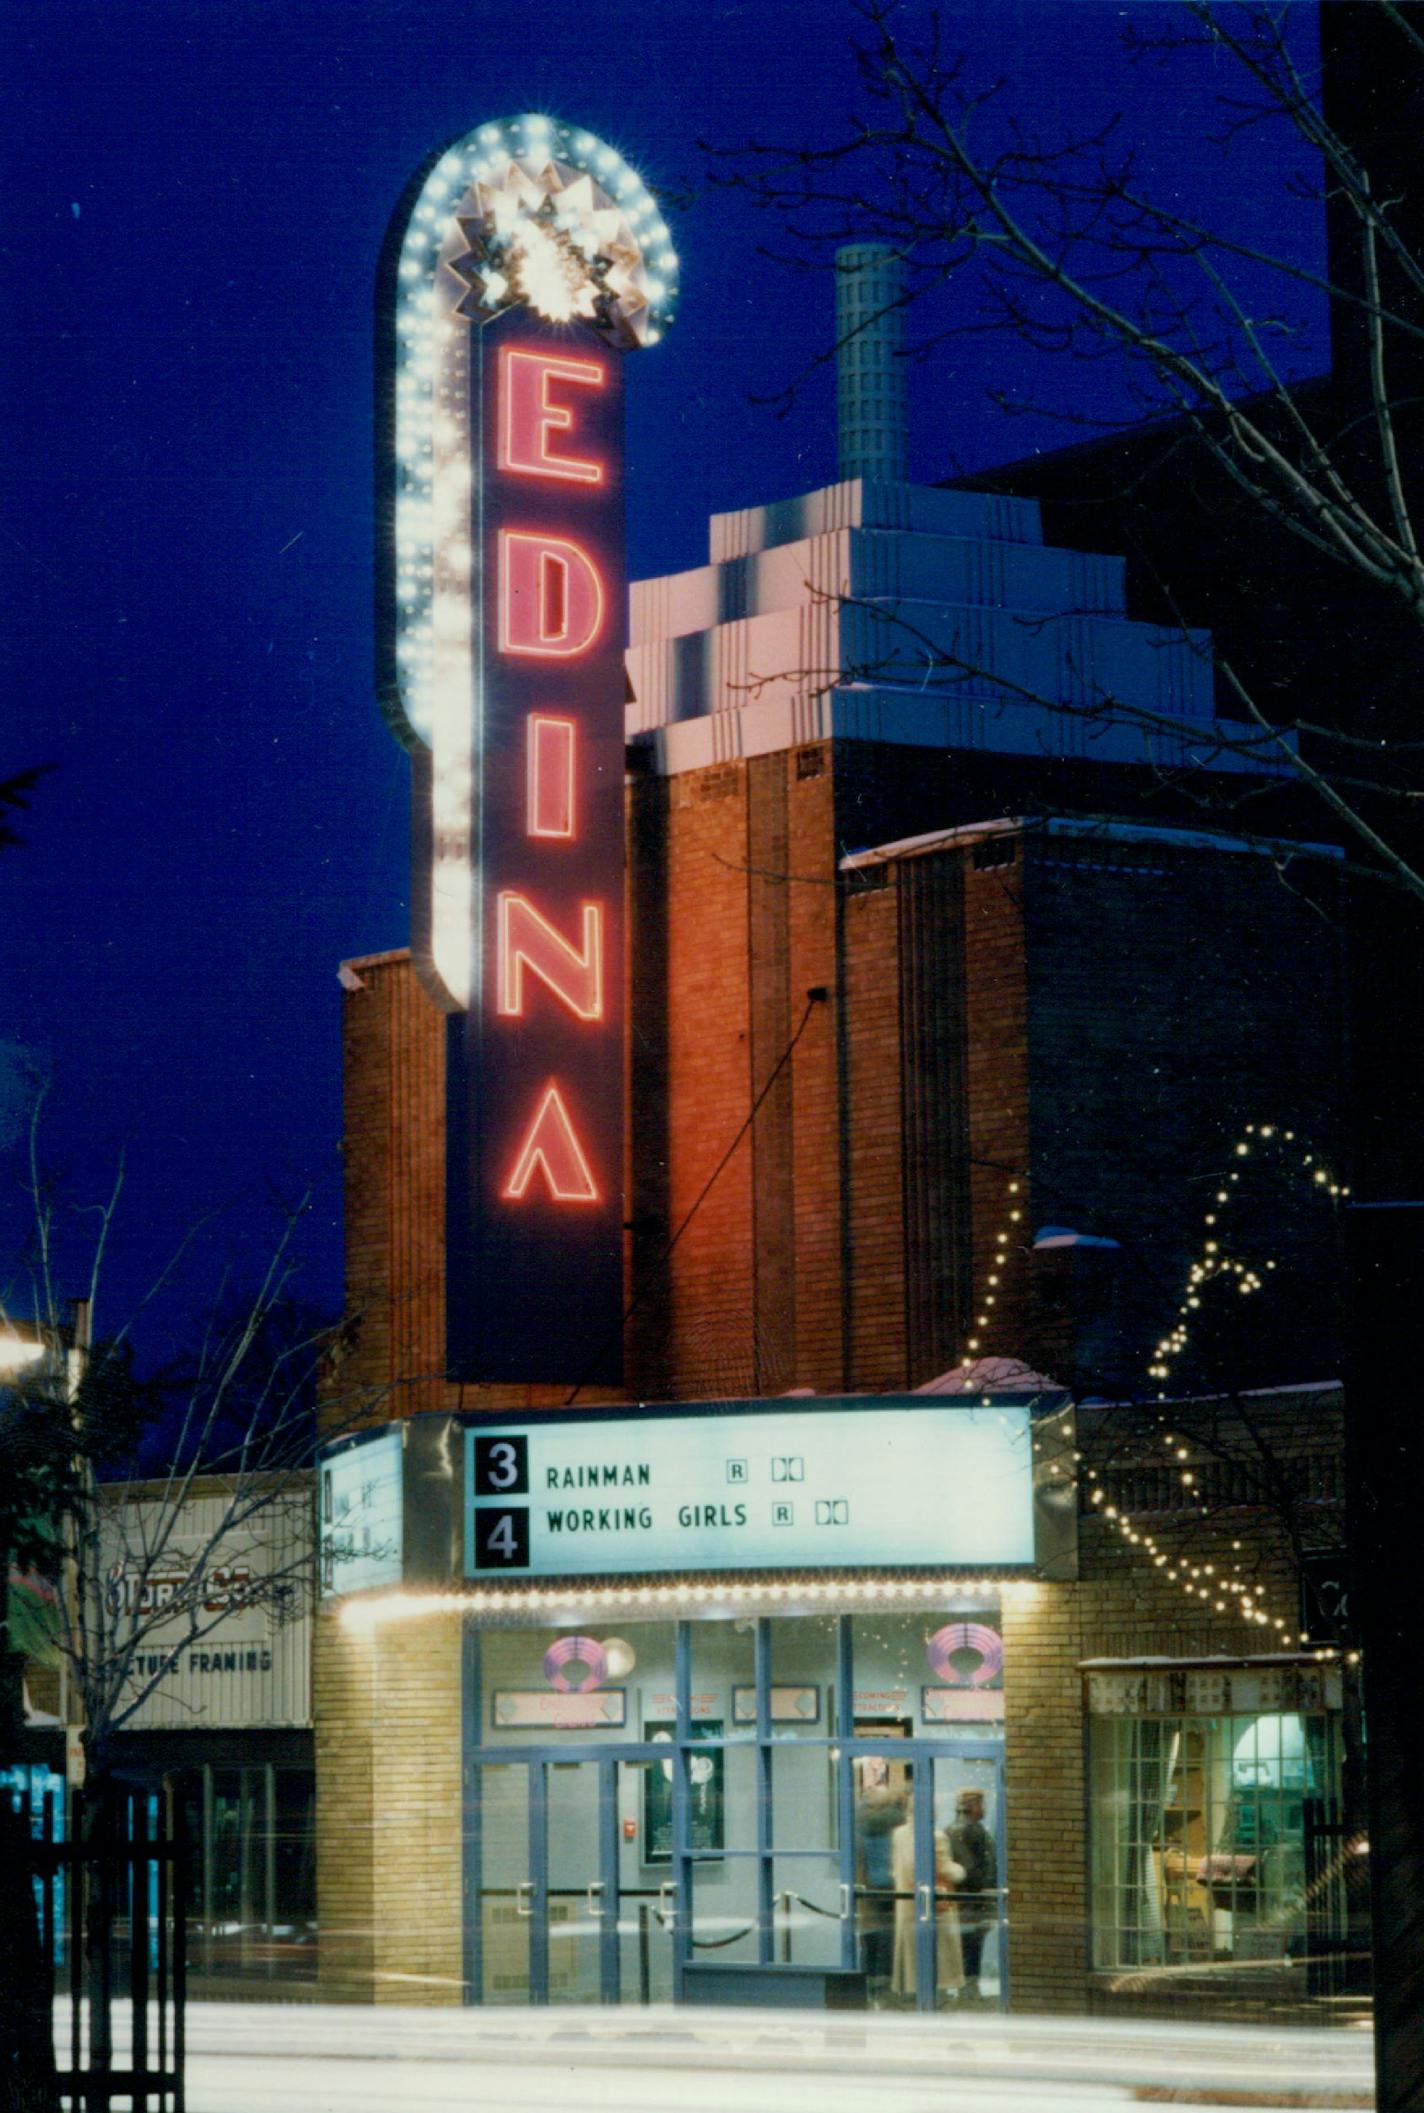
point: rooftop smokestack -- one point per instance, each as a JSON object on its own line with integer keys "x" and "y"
{"x": 870, "y": 363}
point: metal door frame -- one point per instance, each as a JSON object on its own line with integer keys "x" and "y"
{"x": 537, "y": 1761}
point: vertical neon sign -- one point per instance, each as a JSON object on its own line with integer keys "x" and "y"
{"x": 526, "y": 260}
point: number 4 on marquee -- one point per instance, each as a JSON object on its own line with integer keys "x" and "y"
{"x": 501, "y": 1540}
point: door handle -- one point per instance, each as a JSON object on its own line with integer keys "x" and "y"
{"x": 667, "y": 1903}
{"x": 595, "y": 1899}
{"x": 524, "y": 1899}
{"x": 845, "y": 1903}
{"x": 926, "y": 1894}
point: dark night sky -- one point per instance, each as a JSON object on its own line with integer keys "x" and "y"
{"x": 195, "y": 197}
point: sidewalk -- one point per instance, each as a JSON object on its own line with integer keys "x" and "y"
{"x": 244, "y": 2058}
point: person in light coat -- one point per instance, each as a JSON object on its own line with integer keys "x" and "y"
{"x": 949, "y": 1958}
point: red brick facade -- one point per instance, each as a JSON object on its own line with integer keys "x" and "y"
{"x": 929, "y": 1040}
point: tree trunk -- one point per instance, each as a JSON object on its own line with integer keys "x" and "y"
{"x": 99, "y": 1807}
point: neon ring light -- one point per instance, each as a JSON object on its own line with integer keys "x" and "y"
{"x": 966, "y": 1636}
{"x": 575, "y": 1650}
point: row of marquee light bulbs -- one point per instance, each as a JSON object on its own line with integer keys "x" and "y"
{"x": 1216, "y": 1587}
{"x": 566, "y": 1608}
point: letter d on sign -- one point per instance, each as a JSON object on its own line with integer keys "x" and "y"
{"x": 551, "y": 597}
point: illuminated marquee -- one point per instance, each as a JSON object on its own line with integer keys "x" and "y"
{"x": 526, "y": 262}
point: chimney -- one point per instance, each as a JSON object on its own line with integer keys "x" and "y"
{"x": 870, "y": 361}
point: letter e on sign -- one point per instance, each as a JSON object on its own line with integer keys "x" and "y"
{"x": 532, "y": 414}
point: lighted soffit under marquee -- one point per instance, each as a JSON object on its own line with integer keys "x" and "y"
{"x": 530, "y": 213}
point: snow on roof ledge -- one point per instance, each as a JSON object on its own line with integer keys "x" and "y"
{"x": 1106, "y": 832}
{"x": 997, "y": 1375}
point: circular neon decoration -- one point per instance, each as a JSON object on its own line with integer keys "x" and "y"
{"x": 966, "y": 1636}
{"x": 575, "y": 1650}
{"x": 526, "y": 212}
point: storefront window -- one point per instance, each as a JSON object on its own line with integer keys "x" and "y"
{"x": 803, "y": 1797}
{"x": 724, "y": 1678}
{"x": 252, "y": 1900}
{"x": 1204, "y": 1837}
{"x": 930, "y": 1675}
{"x": 801, "y": 1703}
{"x": 602, "y": 1686}
{"x": 726, "y": 1911}
{"x": 697, "y": 1795}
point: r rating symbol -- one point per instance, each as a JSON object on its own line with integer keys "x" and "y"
{"x": 738, "y": 1471}
{"x": 782, "y": 1513}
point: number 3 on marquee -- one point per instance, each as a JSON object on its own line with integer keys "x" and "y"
{"x": 501, "y": 1467}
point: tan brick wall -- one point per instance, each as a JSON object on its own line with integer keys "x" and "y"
{"x": 389, "y": 1879}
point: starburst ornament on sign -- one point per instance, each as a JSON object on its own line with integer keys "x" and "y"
{"x": 526, "y": 212}
{"x": 543, "y": 234}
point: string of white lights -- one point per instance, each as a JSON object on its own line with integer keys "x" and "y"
{"x": 1220, "y": 1587}
{"x": 682, "y": 1596}
{"x": 1214, "y": 1265}
{"x": 998, "y": 1269}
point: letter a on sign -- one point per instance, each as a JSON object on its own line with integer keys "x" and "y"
{"x": 550, "y": 1148}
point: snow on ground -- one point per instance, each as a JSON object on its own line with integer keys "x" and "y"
{"x": 317, "y": 2058}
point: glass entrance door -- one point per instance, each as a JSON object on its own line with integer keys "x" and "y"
{"x": 575, "y": 1904}
{"x": 968, "y": 1821}
{"x": 924, "y": 1939}
{"x": 563, "y": 1916}
{"x": 506, "y": 1902}
{"x": 645, "y": 1914}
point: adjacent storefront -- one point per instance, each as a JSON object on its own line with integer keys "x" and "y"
{"x": 223, "y": 1729}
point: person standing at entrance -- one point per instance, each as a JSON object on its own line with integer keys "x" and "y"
{"x": 949, "y": 1962}
{"x": 879, "y": 1810}
{"x": 972, "y": 1846}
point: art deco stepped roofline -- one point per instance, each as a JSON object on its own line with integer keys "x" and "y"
{"x": 918, "y": 617}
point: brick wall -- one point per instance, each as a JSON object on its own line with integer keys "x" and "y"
{"x": 393, "y": 1142}
{"x": 731, "y": 878}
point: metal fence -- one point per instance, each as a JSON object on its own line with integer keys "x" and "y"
{"x": 112, "y": 1888}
